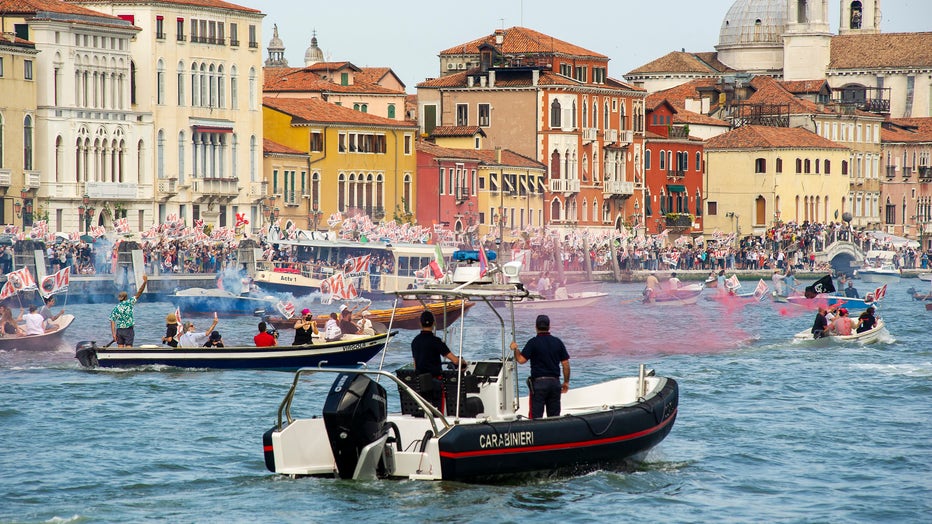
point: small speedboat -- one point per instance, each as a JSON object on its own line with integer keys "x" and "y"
{"x": 352, "y": 350}
{"x": 197, "y": 301}
{"x": 925, "y": 276}
{"x": 865, "y": 337}
{"x": 297, "y": 279}
{"x": 675, "y": 297}
{"x": 48, "y": 340}
{"x": 483, "y": 434}
{"x": 572, "y": 300}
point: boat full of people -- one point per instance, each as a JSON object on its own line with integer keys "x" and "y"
{"x": 471, "y": 423}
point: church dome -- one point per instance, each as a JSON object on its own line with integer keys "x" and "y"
{"x": 754, "y": 22}
{"x": 313, "y": 53}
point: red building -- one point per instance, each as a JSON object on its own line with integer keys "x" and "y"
{"x": 673, "y": 171}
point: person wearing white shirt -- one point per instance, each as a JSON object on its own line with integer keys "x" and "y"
{"x": 192, "y": 339}
{"x": 35, "y": 323}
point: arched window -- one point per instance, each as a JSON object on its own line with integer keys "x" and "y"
{"x": 595, "y": 113}
{"x": 391, "y": 110}
{"x": 341, "y": 193}
{"x": 573, "y": 115}
{"x": 205, "y": 86}
{"x": 605, "y": 119}
{"x": 646, "y": 159}
{"x": 181, "y": 84}
{"x": 160, "y": 82}
{"x": 253, "y": 152}
{"x": 252, "y": 88}
{"x": 221, "y": 89}
{"x": 408, "y": 205}
{"x": 181, "y": 144}
{"x": 555, "y": 113}
{"x": 160, "y": 154}
{"x": 555, "y": 165}
{"x": 59, "y": 151}
{"x": 555, "y": 210}
{"x": 195, "y": 87}
{"x": 621, "y": 116}
{"x": 234, "y": 91}
{"x": 27, "y": 143}
{"x": 212, "y": 78}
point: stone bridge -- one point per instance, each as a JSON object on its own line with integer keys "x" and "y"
{"x": 844, "y": 256}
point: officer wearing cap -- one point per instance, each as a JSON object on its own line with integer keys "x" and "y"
{"x": 427, "y": 350}
{"x": 547, "y": 355}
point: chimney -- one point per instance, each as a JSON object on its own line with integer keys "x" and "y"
{"x": 499, "y": 36}
{"x": 491, "y": 78}
{"x": 498, "y": 155}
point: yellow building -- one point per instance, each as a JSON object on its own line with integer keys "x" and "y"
{"x": 359, "y": 163}
{"x": 758, "y": 175}
{"x": 17, "y": 124}
{"x": 288, "y": 188}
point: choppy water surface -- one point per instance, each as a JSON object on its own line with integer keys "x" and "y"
{"x": 767, "y": 430}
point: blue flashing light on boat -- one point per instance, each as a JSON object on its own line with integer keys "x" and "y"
{"x": 472, "y": 255}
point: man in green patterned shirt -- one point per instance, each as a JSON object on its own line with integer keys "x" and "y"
{"x": 121, "y": 318}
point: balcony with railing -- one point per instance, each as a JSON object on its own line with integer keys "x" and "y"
{"x": 925, "y": 173}
{"x": 168, "y": 186}
{"x": 258, "y": 190}
{"x": 891, "y": 171}
{"x": 611, "y": 136}
{"x": 678, "y": 221}
{"x": 907, "y": 172}
{"x": 32, "y": 179}
{"x": 676, "y": 173}
{"x": 112, "y": 190}
{"x": 564, "y": 185}
{"x": 589, "y": 134}
{"x": 462, "y": 194}
{"x": 611, "y": 188}
{"x": 215, "y": 188}
{"x": 625, "y": 137}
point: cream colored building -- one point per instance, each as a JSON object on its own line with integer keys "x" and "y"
{"x": 89, "y": 136}
{"x": 758, "y": 175}
{"x": 198, "y": 69}
{"x": 17, "y": 124}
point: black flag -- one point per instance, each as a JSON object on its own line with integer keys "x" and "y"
{"x": 823, "y": 285}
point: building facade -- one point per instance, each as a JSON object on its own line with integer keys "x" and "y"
{"x": 18, "y": 171}
{"x": 907, "y": 181}
{"x": 358, "y": 163}
{"x": 551, "y": 101}
{"x": 760, "y": 175}
{"x": 197, "y": 66}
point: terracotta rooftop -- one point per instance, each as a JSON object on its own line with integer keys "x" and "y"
{"x": 483, "y": 156}
{"x": 215, "y": 4}
{"x": 907, "y": 130}
{"x": 314, "y": 110}
{"x": 763, "y": 137}
{"x": 452, "y": 131}
{"x": 804, "y": 87}
{"x": 522, "y": 79}
{"x": 881, "y": 50}
{"x": 302, "y": 79}
{"x": 523, "y": 40}
{"x": 677, "y": 96}
{"x": 58, "y": 7}
{"x": 683, "y": 62}
{"x": 770, "y": 91}
{"x": 272, "y": 147}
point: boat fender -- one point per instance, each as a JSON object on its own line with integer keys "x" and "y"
{"x": 397, "y": 437}
{"x": 427, "y": 436}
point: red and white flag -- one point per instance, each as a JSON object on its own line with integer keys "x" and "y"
{"x": 356, "y": 266}
{"x": 761, "y": 290}
{"x": 483, "y": 262}
{"x": 880, "y": 293}
{"x": 56, "y": 282}
{"x": 285, "y": 308}
{"x": 21, "y": 280}
{"x": 7, "y": 290}
{"x": 732, "y": 282}
{"x": 121, "y": 225}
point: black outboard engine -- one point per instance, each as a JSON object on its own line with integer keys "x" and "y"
{"x": 354, "y": 415}
{"x": 86, "y": 353}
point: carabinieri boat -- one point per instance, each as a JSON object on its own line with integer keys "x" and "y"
{"x": 484, "y": 434}
{"x": 352, "y": 350}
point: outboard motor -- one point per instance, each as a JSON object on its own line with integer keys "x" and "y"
{"x": 354, "y": 414}
{"x": 86, "y": 353}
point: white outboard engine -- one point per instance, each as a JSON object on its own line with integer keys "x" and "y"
{"x": 86, "y": 353}
{"x": 354, "y": 415}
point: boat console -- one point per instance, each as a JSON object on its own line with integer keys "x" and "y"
{"x": 481, "y": 381}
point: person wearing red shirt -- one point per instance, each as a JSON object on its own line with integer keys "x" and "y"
{"x": 264, "y": 338}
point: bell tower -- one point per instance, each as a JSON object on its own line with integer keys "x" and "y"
{"x": 806, "y": 40}
{"x": 859, "y": 16}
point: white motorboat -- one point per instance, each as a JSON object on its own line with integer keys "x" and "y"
{"x": 925, "y": 276}
{"x": 572, "y": 300}
{"x": 870, "y": 336}
{"x": 484, "y": 433}
{"x": 878, "y": 268}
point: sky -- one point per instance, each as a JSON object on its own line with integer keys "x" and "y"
{"x": 407, "y": 36}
